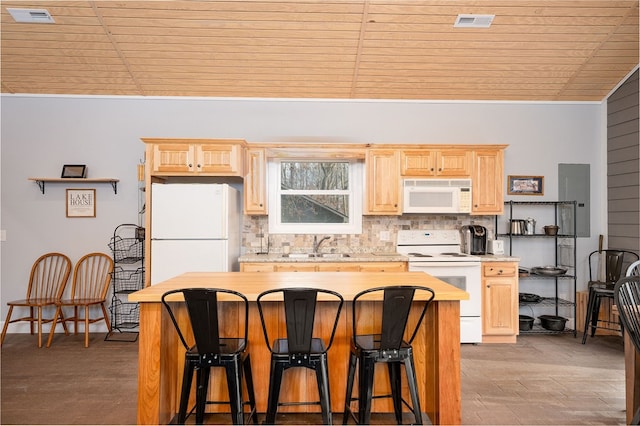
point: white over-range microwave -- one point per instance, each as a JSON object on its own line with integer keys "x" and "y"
{"x": 437, "y": 196}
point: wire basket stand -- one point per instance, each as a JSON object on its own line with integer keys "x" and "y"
{"x": 127, "y": 248}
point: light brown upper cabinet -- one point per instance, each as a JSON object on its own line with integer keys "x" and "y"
{"x": 440, "y": 163}
{"x": 383, "y": 182}
{"x": 255, "y": 182}
{"x": 488, "y": 182}
{"x": 197, "y": 157}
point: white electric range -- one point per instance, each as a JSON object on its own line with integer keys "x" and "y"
{"x": 437, "y": 252}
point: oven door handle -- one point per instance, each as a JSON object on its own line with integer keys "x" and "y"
{"x": 441, "y": 264}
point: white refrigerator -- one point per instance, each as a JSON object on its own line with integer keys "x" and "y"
{"x": 194, "y": 228}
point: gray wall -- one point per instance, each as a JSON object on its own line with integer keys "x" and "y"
{"x": 41, "y": 133}
{"x": 623, "y": 166}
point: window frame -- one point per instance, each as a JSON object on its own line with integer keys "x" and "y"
{"x": 355, "y": 193}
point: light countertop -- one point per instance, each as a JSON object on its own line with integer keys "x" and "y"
{"x": 330, "y": 257}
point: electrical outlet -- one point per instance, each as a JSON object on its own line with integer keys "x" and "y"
{"x": 3, "y": 235}
{"x": 385, "y": 236}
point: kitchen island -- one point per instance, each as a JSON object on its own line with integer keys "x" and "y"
{"x": 436, "y": 348}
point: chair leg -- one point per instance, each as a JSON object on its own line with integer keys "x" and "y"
{"x": 396, "y": 389}
{"x": 595, "y": 314}
{"x": 248, "y": 376}
{"x": 54, "y": 322}
{"x": 274, "y": 391}
{"x": 201, "y": 393}
{"x": 353, "y": 361}
{"x": 31, "y": 313}
{"x": 86, "y": 326}
{"x": 322, "y": 377}
{"x": 234, "y": 384}
{"x": 413, "y": 388}
{"x": 6, "y": 324}
{"x": 365, "y": 390}
{"x": 587, "y": 321}
{"x": 187, "y": 378}
{"x": 105, "y": 316}
{"x": 39, "y": 326}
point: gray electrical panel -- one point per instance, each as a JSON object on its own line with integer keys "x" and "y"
{"x": 574, "y": 184}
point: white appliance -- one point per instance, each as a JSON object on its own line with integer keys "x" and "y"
{"x": 194, "y": 228}
{"x": 437, "y": 252}
{"x": 437, "y": 196}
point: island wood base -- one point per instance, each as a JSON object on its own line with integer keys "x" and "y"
{"x": 437, "y": 355}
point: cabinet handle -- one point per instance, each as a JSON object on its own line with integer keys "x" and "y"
{"x": 500, "y": 272}
{"x": 260, "y": 205}
{"x": 199, "y": 166}
{"x": 440, "y": 169}
{"x": 190, "y": 165}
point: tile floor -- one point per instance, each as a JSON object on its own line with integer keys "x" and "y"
{"x": 541, "y": 380}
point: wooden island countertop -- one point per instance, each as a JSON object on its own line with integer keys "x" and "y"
{"x": 436, "y": 348}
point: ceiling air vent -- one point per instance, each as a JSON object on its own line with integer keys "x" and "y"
{"x": 31, "y": 16}
{"x": 474, "y": 21}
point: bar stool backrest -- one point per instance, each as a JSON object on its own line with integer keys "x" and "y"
{"x": 396, "y": 307}
{"x": 613, "y": 261}
{"x": 627, "y": 298}
{"x": 205, "y": 318}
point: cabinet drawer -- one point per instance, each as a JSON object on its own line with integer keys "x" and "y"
{"x": 338, "y": 267}
{"x": 295, "y": 267}
{"x": 495, "y": 269}
{"x": 383, "y": 267}
{"x": 256, "y": 267}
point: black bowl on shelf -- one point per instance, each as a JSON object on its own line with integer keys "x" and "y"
{"x": 526, "y": 323}
{"x": 552, "y": 322}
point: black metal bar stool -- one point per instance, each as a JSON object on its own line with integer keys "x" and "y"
{"x": 213, "y": 348}
{"x": 301, "y": 345}
{"x": 384, "y": 342}
{"x": 611, "y": 261}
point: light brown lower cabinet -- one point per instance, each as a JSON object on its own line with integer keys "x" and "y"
{"x": 500, "y": 321}
{"x": 323, "y": 267}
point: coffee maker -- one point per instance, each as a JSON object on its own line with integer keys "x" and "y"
{"x": 474, "y": 239}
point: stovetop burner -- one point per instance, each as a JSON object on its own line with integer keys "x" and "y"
{"x": 419, "y": 255}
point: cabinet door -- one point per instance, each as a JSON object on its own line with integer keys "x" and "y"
{"x": 255, "y": 188}
{"x": 418, "y": 162}
{"x": 219, "y": 159}
{"x": 383, "y": 267}
{"x": 383, "y": 182}
{"x": 499, "y": 300}
{"x": 488, "y": 182}
{"x": 174, "y": 158}
{"x": 454, "y": 163}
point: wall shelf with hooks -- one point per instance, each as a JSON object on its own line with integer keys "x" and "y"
{"x": 41, "y": 181}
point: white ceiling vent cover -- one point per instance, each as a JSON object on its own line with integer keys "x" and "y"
{"x": 474, "y": 21}
{"x": 31, "y": 16}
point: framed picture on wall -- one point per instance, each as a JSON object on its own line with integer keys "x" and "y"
{"x": 81, "y": 203}
{"x": 525, "y": 185}
{"x": 74, "y": 171}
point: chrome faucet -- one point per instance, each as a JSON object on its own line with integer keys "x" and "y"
{"x": 316, "y": 243}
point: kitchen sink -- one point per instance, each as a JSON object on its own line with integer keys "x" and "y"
{"x": 333, "y": 255}
{"x": 299, "y": 255}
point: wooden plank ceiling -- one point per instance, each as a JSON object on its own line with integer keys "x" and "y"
{"x": 558, "y": 50}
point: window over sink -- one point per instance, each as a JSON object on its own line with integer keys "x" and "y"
{"x": 315, "y": 196}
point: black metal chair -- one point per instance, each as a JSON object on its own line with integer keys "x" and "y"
{"x": 387, "y": 341}
{"x": 301, "y": 345}
{"x": 612, "y": 262}
{"x": 626, "y": 294}
{"x": 212, "y": 348}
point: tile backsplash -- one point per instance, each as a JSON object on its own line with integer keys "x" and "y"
{"x": 256, "y": 237}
